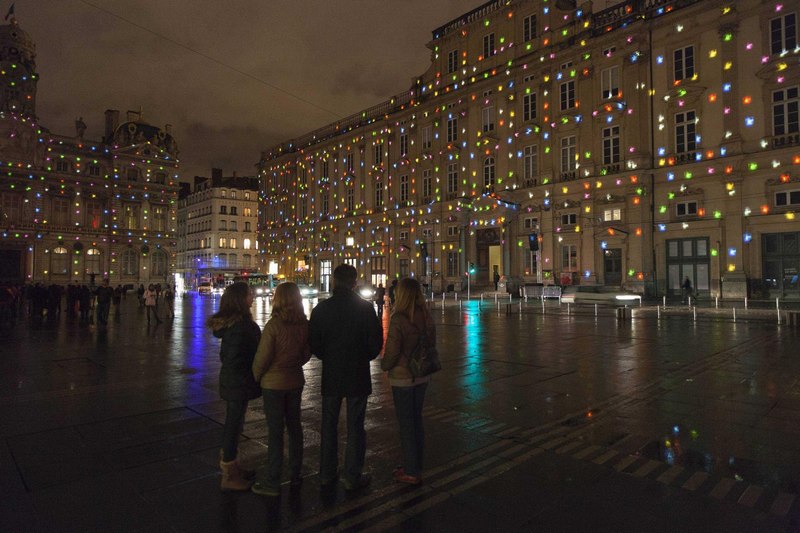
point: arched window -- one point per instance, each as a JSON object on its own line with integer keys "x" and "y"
{"x": 222, "y": 259}
{"x": 488, "y": 172}
{"x": 158, "y": 264}
{"x": 92, "y": 261}
{"x": 59, "y": 260}
{"x": 232, "y": 260}
{"x": 130, "y": 263}
{"x": 246, "y": 261}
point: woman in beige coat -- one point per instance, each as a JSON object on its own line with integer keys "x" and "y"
{"x": 410, "y": 319}
{"x": 278, "y": 366}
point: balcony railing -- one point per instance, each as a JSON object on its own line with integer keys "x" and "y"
{"x": 790, "y": 139}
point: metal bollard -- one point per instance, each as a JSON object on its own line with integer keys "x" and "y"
{"x": 745, "y": 302}
{"x": 734, "y": 314}
{"x": 664, "y": 300}
{"x": 716, "y": 302}
{"x": 658, "y": 312}
{"x": 595, "y": 309}
{"x": 694, "y": 313}
{"x": 778, "y": 308}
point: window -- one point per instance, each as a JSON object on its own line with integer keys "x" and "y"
{"x": 685, "y": 138}
{"x": 131, "y": 212}
{"x": 612, "y": 215}
{"x": 92, "y": 261}
{"x": 303, "y": 209}
{"x": 223, "y": 242}
{"x": 247, "y": 226}
{"x": 487, "y": 118}
{"x": 59, "y": 260}
{"x": 160, "y": 177}
{"x": 787, "y": 198}
{"x": 569, "y": 154}
{"x": 404, "y": 188}
{"x": 234, "y": 226}
{"x": 223, "y": 193}
{"x": 685, "y": 209}
{"x": 247, "y": 243}
{"x": 246, "y": 196}
{"x": 529, "y": 28}
{"x": 160, "y": 218}
{"x": 783, "y": 33}
{"x": 530, "y": 162}
{"x": 350, "y": 198}
{"x": 452, "y": 61}
{"x": 403, "y": 144}
{"x": 377, "y": 154}
{"x": 233, "y": 210}
{"x": 568, "y": 95}
{"x": 248, "y": 211}
{"x": 10, "y": 207}
{"x": 452, "y": 178}
{"x": 427, "y": 132}
{"x": 529, "y": 107}
{"x": 452, "y": 264}
{"x": 609, "y": 80}
{"x": 222, "y": 260}
{"x": 130, "y": 263}
{"x": 452, "y": 231}
{"x": 785, "y": 111}
{"x": 488, "y": 172}
{"x": 223, "y": 225}
{"x": 132, "y": 174}
{"x": 452, "y": 129}
{"x": 62, "y": 165}
{"x": 683, "y": 63}
{"x": 569, "y": 258}
{"x": 427, "y": 184}
{"x": 232, "y": 243}
{"x": 324, "y": 204}
{"x": 94, "y": 171}
{"x": 158, "y": 264}
{"x": 223, "y": 210}
{"x": 325, "y": 170}
{"x": 378, "y": 194}
{"x": 530, "y": 223}
{"x": 611, "y": 145}
{"x": 488, "y": 45}
{"x": 569, "y": 219}
{"x": 404, "y": 235}
{"x": 246, "y": 260}
{"x": 349, "y": 162}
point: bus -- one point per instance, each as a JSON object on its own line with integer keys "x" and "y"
{"x": 262, "y": 284}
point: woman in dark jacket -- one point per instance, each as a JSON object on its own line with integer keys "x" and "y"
{"x": 410, "y": 320}
{"x": 233, "y": 323}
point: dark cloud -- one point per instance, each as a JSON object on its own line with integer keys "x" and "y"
{"x": 316, "y": 59}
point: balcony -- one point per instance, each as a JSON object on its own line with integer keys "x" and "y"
{"x": 790, "y": 139}
{"x": 569, "y": 176}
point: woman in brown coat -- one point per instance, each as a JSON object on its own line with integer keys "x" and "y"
{"x": 410, "y": 319}
{"x": 278, "y": 365}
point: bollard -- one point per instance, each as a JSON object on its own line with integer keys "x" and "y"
{"x": 459, "y": 304}
{"x": 595, "y": 309}
{"x": 520, "y": 306}
{"x": 567, "y": 308}
{"x": 495, "y": 298}
{"x": 734, "y": 314}
{"x": 665, "y": 302}
{"x": 694, "y": 313}
{"x": 658, "y": 309}
{"x": 690, "y": 301}
{"x": 745, "y": 302}
{"x": 778, "y": 308}
{"x": 542, "y": 305}
{"x": 716, "y": 302}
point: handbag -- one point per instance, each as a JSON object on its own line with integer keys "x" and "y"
{"x": 424, "y": 359}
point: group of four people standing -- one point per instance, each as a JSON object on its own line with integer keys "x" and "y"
{"x": 345, "y": 333}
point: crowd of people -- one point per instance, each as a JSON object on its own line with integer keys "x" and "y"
{"x": 42, "y": 303}
{"x": 345, "y": 333}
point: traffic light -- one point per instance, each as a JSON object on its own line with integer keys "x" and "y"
{"x": 533, "y": 242}
{"x": 471, "y": 269}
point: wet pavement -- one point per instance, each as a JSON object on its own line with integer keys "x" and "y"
{"x": 542, "y": 419}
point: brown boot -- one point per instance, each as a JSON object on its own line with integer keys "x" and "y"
{"x": 232, "y": 477}
{"x": 247, "y": 474}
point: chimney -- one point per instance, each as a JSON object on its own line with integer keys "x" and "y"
{"x": 112, "y": 121}
{"x": 216, "y": 173}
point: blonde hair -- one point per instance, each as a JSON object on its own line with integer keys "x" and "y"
{"x": 287, "y": 303}
{"x": 408, "y": 298}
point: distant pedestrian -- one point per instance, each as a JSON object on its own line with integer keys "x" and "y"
{"x": 104, "y": 294}
{"x": 345, "y": 335}
{"x": 496, "y": 277}
{"x": 233, "y": 324}
{"x": 686, "y": 289}
{"x": 409, "y": 322}
{"x": 85, "y": 303}
{"x": 116, "y": 299}
{"x": 278, "y": 365}
{"x": 380, "y": 299}
{"x": 150, "y": 303}
{"x": 140, "y": 294}
{"x": 169, "y": 302}
{"x": 392, "y": 289}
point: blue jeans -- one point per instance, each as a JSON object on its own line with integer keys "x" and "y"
{"x": 356, "y": 438}
{"x": 234, "y": 422}
{"x": 282, "y": 409}
{"x": 408, "y": 406}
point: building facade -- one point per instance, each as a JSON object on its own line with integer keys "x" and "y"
{"x": 78, "y": 209}
{"x": 631, "y": 146}
{"x": 217, "y": 237}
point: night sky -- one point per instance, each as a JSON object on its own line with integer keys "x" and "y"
{"x": 318, "y": 60}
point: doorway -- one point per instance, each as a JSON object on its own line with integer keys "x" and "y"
{"x": 612, "y": 266}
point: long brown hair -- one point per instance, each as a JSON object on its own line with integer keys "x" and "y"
{"x": 232, "y": 306}
{"x": 409, "y": 298}
{"x": 287, "y": 303}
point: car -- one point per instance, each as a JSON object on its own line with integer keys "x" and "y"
{"x": 598, "y": 294}
{"x": 263, "y": 291}
{"x": 205, "y": 288}
{"x": 366, "y": 291}
{"x": 307, "y": 291}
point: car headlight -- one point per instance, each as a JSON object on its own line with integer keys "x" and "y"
{"x": 259, "y": 291}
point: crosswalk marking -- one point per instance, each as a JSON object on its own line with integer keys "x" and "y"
{"x": 723, "y": 488}
{"x": 783, "y": 502}
{"x": 670, "y": 475}
{"x": 586, "y": 452}
{"x": 569, "y": 447}
{"x": 605, "y": 457}
{"x": 625, "y": 462}
{"x": 694, "y": 482}
{"x": 646, "y": 468}
{"x": 750, "y": 496}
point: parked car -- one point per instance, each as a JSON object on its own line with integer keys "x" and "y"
{"x": 307, "y": 291}
{"x": 597, "y": 294}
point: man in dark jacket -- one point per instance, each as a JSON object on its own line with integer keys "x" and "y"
{"x": 345, "y": 335}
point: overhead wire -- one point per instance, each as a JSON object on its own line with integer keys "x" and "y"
{"x": 210, "y": 58}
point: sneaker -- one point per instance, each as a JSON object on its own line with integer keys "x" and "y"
{"x": 265, "y": 490}
{"x": 401, "y": 477}
{"x": 363, "y": 481}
